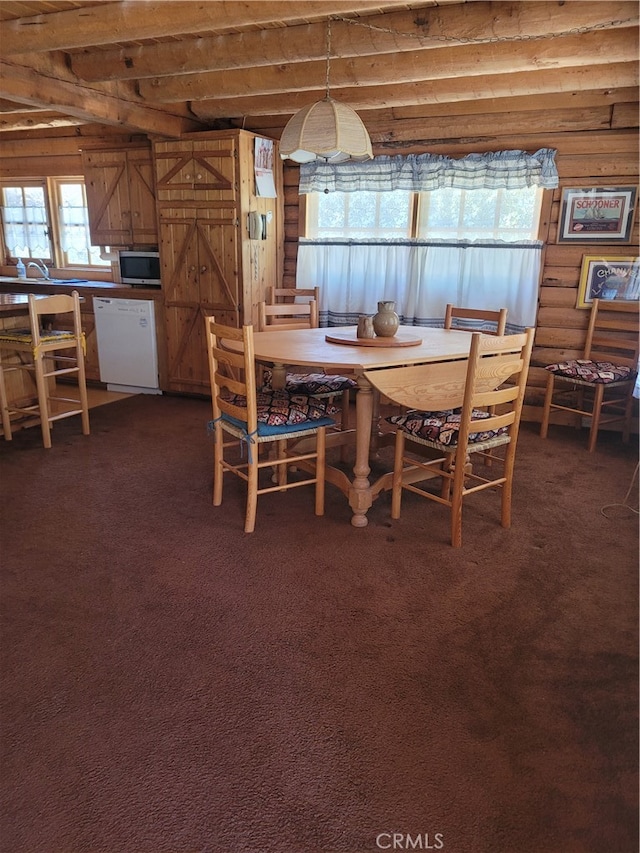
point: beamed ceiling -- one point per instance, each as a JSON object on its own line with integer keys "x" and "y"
{"x": 172, "y": 67}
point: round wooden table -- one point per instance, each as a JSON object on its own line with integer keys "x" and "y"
{"x": 309, "y": 348}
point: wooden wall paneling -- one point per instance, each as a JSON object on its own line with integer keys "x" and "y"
{"x": 624, "y": 115}
{"x": 600, "y": 165}
{"x": 43, "y": 166}
{"x": 556, "y": 297}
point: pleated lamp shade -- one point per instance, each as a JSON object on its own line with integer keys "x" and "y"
{"x": 325, "y": 130}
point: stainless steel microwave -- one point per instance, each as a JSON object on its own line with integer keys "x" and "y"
{"x": 140, "y": 269}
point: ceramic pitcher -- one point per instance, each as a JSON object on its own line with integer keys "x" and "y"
{"x": 386, "y": 321}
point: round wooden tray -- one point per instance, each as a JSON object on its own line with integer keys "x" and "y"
{"x": 349, "y": 338}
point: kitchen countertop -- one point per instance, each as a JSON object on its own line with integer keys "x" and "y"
{"x": 10, "y": 284}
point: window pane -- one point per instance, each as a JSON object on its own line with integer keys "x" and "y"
{"x": 479, "y": 209}
{"x": 519, "y": 210}
{"x": 26, "y": 225}
{"x": 510, "y": 215}
{"x": 361, "y": 215}
{"x": 73, "y": 223}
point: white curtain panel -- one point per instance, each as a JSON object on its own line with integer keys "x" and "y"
{"x": 421, "y": 278}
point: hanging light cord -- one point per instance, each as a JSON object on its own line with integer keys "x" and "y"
{"x": 328, "y": 53}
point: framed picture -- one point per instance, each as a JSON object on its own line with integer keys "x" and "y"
{"x": 597, "y": 215}
{"x": 608, "y": 278}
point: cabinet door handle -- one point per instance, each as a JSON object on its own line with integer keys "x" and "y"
{"x": 203, "y": 269}
{"x": 199, "y": 177}
{"x": 188, "y": 177}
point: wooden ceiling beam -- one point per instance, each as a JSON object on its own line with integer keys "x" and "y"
{"x": 424, "y": 28}
{"x": 36, "y": 120}
{"x": 28, "y": 86}
{"x": 12, "y": 107}
{"x": 458, "y": 126}
{"x": 124, "y": 21}
{"x": 588, "y": 49}
{"x": 598, "y": 77}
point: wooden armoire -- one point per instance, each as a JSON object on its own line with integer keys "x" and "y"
{"x": 206, "y": 194}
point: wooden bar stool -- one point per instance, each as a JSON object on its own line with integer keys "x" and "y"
{"x": 47, "y": 354}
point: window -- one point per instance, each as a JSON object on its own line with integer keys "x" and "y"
{"x": 25, "y": 221}
{"x": 482, "y": 214}
{"x": 443, "y": 214}
{"x": 360, "y": 215}
{"x": 48, "y": 220}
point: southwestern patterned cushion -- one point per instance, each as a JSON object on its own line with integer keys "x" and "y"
{"x": 313, "y": 383}
{"x": 278, "y": 408}
{"x": 442, "y": 427}
{"x": 600, "y": 372}
{"x": 318, "y": 383}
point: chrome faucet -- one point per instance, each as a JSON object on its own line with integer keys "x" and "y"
{"x": 42, "y": 267}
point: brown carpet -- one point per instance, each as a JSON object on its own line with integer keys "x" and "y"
{"x": 172, "y": 685}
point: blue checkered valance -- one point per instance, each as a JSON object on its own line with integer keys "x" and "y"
{"x": 425, "y": 172}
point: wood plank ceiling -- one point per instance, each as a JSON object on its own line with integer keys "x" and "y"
{"x": 171, "y": 67}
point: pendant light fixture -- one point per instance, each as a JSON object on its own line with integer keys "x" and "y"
{"x": 326, "y": 130}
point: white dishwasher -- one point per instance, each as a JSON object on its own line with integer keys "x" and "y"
{"x": 127, "y": 347}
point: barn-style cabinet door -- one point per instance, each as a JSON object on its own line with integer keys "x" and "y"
{"x": 206, "y": 189}
{"x": 121, "y": 199}
{"x": 196, "y": 252}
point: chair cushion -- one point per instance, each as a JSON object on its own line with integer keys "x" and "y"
{"x": 442, "y": 427}
{"x": 282, "y": 429}
{"x": 318, "y": 383}
{"x": 312, "y": 383}
{"x": 599, "y": 372}
{"x": 278, "y": 408}
{"x": 23, "y": 336}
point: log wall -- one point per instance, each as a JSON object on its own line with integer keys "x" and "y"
{"x": 585, "y": 159}
{"x": 604, "y": 155}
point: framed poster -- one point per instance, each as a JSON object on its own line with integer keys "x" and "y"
{"x": 608, "y": 278}
{"x": 596, "y": 215}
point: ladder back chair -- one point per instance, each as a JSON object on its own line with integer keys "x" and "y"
{"x": 459, "y": 409}
{"x": 600, "y": 384}
{"x": 474, "y": 316}
{"x": 256, "y": 418}
{"x": 291, "y": 294}
{"x": 476, "y": 320}
{"x": 280, "y": 316}
{"x": 46, "y": 354}
{"x": 287, "y": 315}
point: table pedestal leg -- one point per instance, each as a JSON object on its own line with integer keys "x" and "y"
{"x": 360, "y": 498}
{"x": 279, "y": 376}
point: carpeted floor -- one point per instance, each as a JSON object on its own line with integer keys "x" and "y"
{"x": 172, "y": 685}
